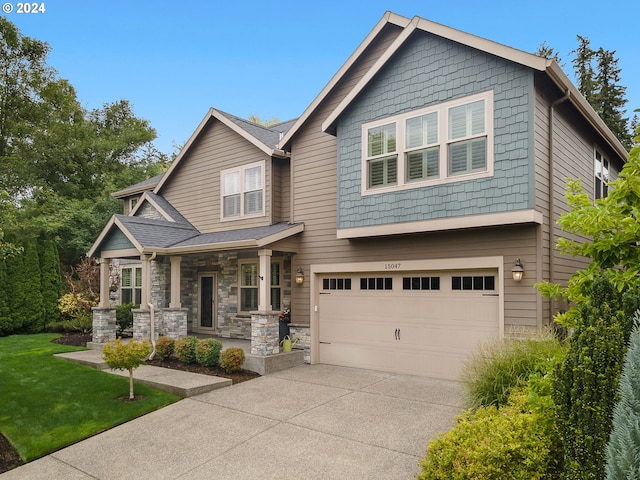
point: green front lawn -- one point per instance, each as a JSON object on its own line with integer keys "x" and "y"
{"x": 47, "y": 403}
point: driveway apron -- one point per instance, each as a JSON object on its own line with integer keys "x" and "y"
{"x": 308, "y": 422}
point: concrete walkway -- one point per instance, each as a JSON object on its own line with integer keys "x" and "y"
{"x": 308, "y": 422}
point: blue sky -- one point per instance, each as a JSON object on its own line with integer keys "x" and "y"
{"x": 174, "y": 59}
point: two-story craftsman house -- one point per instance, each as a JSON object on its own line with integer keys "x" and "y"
{"x": 403, "y": 217}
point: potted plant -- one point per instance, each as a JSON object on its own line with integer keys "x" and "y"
{"x": 284, "y": 321}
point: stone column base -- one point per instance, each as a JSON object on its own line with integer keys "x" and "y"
{"x": 264, "y": 333}
{"x": 104, "y": 324}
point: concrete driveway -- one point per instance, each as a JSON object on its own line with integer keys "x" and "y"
{"x": 308, "y": 422}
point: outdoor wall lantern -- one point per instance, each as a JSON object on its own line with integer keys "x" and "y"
{"x": 517, "y": 271}
{"x": 300, "y": 276}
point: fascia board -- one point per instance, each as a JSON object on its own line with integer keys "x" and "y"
{"x": 388, "y": 18}
{"x": 183, "y": 152}
{"x": 560, "y": 78}
{"x": 242, "y": 132}
{"x": 147, "y": 198}
{"x": 113, "y": 221}
{"x": 269, "y": 239}
{"x": 353, "y": 93}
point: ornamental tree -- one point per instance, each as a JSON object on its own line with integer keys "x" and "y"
{"x": 127, "y": 356}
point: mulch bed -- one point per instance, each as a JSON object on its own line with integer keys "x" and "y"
{"x": 9, "y": 458}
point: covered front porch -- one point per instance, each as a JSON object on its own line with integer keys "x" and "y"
{"x": 227, "y": 284}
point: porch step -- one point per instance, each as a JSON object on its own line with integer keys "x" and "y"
{"x": 183, "y": 384}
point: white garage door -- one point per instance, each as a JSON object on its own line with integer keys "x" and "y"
{"x": 420, "y": 323}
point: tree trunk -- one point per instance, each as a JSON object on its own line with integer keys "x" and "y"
{"x": 131, "y": 396}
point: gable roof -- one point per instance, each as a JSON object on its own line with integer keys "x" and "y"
{"x": 172, "y": 238}
{"x": 409, "y": 26}
{"x": 264, "y": 138}
{"x": 168, "y": 211}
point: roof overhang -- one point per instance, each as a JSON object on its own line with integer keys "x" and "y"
{"x": 535, "y": 62}
{"x": 215, "y": 114}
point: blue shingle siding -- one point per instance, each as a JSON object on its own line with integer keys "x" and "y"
{"x": 429, "y": 70}
{"x": 116, "y": 241}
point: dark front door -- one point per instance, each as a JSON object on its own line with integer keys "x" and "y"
{"x": 207, "y": 310}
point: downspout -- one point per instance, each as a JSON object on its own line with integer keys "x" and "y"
{"x": 152, "y": 315}
{"x": 552, "y": 263}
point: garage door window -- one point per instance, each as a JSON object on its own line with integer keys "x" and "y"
{"x": 421, "y": 283}
{"x": 480, "y": 283}
{"x": 376, "y": 283}
{"x": 336, "y": 284}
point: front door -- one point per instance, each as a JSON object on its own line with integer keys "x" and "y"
{"x": 207, "y": 304}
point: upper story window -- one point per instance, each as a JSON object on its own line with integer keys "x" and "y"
{"x": 601, "y": 173}
{"x": 243, "y": 191}
{"x": 444, "y": 143}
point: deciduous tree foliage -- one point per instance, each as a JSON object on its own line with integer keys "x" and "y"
{"x": 607, "y": 232}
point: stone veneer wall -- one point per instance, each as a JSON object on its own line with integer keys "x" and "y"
{"x": 303, "y": 333}
{"x": 225, "y": 266}
{"x": 160, "y": 283}
{"x": 104, "y": 324}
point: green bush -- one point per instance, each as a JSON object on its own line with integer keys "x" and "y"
{"x": 518, "y": 441}
{"x": 185, "y": 349}
{"x": 124, "y": 317}
{"x": 208, "y": 352}
{"x": 623, "y": 449}
{"x": 587, "y": 382}
{"x": 232, "y": 359}
{"x": 164, "y": 347}
{"x": 500, "y": 366}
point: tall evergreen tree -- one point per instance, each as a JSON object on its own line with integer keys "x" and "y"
{"x": 14, "y": 292}
{"x": 584, "y": 70}
{"x": 51, "y": 280}
{"x": 32, "y": 309}
{"x": 6, "y": 321}
{"x": 586, "y": 384}
{"x": 623, "y": 449}
{"x": 610, "y": 96}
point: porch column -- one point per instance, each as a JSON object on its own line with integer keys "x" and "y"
{"x": 264, "y": 295}
{"x": 105, "y": 263}
{"x": 146, "y": 281}
{"x": 175, "y": 282}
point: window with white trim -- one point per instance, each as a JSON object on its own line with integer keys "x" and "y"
{"x": 248, "y": 285}
{"x": 131, "y": 285}
{"x": 242, "y": 191}
{"x": 443, "y": 143}
{"x": 601, "y": 173}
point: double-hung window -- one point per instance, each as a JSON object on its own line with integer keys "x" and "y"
{"x": 249, "y": 274}
{"x": 423, "y": 150}
{"x": 467, "y": 146}
{"x": 243, "y": 191}
{"x": 382, "y": 159}
{"x": 442, "y": 143}
{"x": 131, "y": 285}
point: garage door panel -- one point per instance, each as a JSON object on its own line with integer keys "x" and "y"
{"x": 421, "y": 332}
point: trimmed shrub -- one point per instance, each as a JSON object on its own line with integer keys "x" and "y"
{"x": 586, "y": 384}
{"x": 208, "y": 352}
{"x": 623, "y": 449}
{"x": 185, "y": 349}
{"x": 124, "y": 317}
{"x": 503, "y": 365}
{"x": 164, "y": 347}
{"x": 232, "y": 359}
{"x": 518, "y": 441}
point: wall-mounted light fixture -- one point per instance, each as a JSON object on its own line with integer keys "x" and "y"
{"x": 300, "y": 276}
{"x": 517, "y": 271}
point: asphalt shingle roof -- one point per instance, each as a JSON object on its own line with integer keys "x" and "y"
{"x": 157, "y": 233}
{"x": 253, "y": 233}
{"x": 270, "y": 135}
